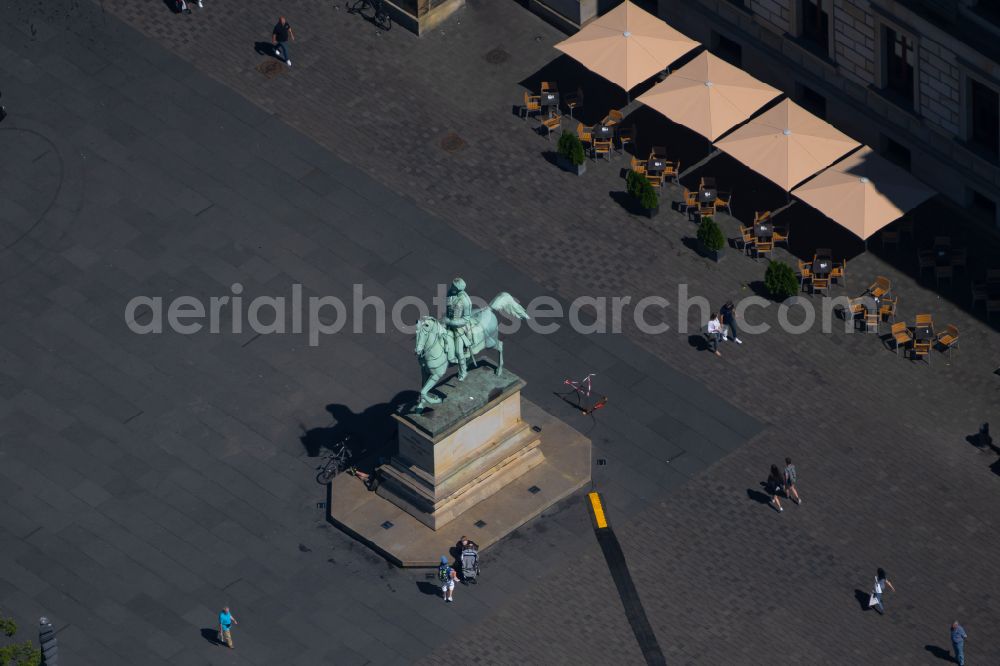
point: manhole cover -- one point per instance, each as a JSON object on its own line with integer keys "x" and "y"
{"x": 452, "y": 142}
{"x": 497, "y": 56}
{"x": 270, "y": 68}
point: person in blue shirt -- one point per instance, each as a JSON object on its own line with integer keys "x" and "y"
{"x": 958, "y": 637}
{"x": 447, "y": 577}
{"x": 226, "y": 621}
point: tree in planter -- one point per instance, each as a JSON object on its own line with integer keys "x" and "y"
{"x": 780, "y": 280}
{"x": 571, "y": 148}
{"x": 710, "y": 235}
{"x": 633, "y": 184}
{"x": 648, "y": 198}
{"x": 17, "y": 654}
{"x": 639, "y": 189}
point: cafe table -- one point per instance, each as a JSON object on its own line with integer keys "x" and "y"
{"x": 605, "y": 132}
{"x": 822, "y": 265}
{"x": 707, "y": 195}
{"x": 549, "y": 99}
{"x": 655, "y": 165}
{"x": 763, "y": 230}
{"x": 923, "y": 333}
{"x": 942, "y": 255}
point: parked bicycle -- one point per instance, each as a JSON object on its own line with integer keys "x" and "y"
{"x": 336, "y": 461}
{"x": 372, "y": 10}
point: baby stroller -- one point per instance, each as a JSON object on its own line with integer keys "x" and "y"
{"x": 470, "y": 564}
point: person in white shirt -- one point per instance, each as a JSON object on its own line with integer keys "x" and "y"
{"x": 714, "y": 333}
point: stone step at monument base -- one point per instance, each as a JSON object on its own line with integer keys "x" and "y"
{"x": 397, "y": 489}
{"x": 402, "y": 539}
{"x": 476, "y": 466}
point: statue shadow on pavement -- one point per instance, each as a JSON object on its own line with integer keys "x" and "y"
{"x": 369, "y": 434}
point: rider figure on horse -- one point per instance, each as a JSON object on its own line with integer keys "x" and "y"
{"x": 458, "y": 319}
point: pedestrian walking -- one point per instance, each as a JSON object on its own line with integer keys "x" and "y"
{"x": 447, "y": 576}
{"x": 181, "y": 6}
{"x": 226, "y": 621}
{"x": 728, "y": 314}
{"x": 715, "y": 333}
{"x": 774, "y": 485}
{"x": 958, "y": 637}
{"x": 279, "y": 36}
{"x": 791, "y": 476}
{"x": 881, "y": 584}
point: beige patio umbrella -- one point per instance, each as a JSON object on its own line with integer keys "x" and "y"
{"x": 863, "y": 192}
{"x": 709, "y": 96}
{"x": 627, "y": 45}
{"x": 787, "y": 144}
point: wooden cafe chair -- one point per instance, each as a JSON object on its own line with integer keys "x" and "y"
{"x": 723, "y": 200}
{"x": 805, "y": 270}
{"x": 532, "y": 104}
{"x": 671, "y": 170}
{"x": 838, "y": 272}
{"x": 747, "y": 240}
{"x": 880, "y": 287}
{"x": 551, "y": 124}
{"x": 900, "y": 335}
{"x": 948, "y": 339}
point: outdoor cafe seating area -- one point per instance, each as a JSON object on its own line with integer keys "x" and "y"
{"x": 761, "y": 131}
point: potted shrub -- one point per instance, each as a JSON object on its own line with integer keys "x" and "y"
{"x": 711, "y": 239}
{"x": 570, "y": 155}
{"x": 649, "y": 200}
{"x": 633, "y": 184}
{"x": 644, "y": 194}
{"x": 780, "y": 280}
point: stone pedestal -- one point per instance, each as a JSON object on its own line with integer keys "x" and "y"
{"x": 456, "y": 454}
{"x": 482, "y": 463}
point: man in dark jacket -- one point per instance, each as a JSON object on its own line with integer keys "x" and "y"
{"x": 279, "y": 36}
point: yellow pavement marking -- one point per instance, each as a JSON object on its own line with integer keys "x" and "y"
{"x": 595, "y": 502}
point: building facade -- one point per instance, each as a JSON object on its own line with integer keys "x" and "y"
{"x": 918, "y": 80}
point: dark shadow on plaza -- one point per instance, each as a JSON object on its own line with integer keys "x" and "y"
{"x": 370, "y": 434}
{"x": 939, "y": 652}
{"x": 211, "y": 635}
{"x": 758, "y": 496}
{"x": 266, "y": 49}
{"x": 428, "y": 588}
{"x": 862, "y": 598}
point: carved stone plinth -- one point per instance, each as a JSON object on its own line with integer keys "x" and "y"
{"x": 462, "y": 451}
{"x": 473, "y": 465}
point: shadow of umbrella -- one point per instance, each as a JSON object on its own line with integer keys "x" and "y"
{"x": 654, "y": 129}
{"x": 750, "y": 191}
